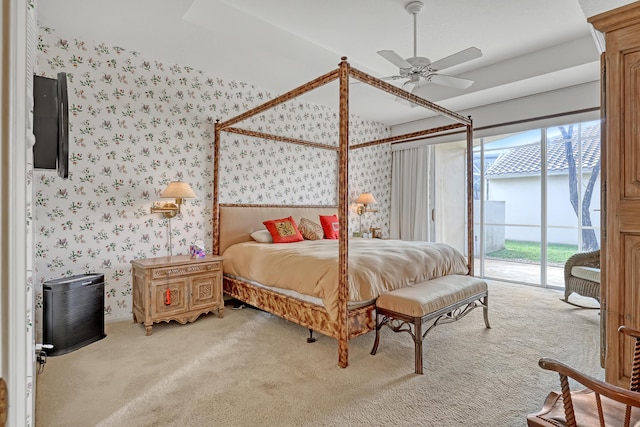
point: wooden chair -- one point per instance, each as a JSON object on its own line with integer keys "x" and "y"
{"x": 600, "y": 404}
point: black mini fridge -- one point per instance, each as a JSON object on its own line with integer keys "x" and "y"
{"x": 73, "y": 312}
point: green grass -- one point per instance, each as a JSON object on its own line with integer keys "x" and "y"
{"x": 520, "y": 251}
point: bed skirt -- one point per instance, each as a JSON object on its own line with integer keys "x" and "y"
{"x": 303, "y": 313}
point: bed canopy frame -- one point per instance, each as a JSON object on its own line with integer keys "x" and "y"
{"x": 359, "y": 319}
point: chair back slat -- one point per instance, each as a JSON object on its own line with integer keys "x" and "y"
{"x": 567, "y": 401}
{"x": 635, "y": 369}
{"x": 599, "y": 406}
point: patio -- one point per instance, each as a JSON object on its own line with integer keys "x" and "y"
{"x": 529, "y": 274}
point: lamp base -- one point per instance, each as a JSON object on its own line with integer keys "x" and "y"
{"x": 168, "y": 210}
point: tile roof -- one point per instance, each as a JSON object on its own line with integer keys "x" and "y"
{"x": 525, "y": 160}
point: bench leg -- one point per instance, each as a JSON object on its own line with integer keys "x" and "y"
{"x": 485, "y": 309}
{"x": 417, "y": 339}
{"x": 375, "y": 343}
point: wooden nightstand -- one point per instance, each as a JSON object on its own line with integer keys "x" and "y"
{"x": 177, "y": 288}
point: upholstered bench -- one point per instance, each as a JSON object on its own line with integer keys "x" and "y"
{"x": 445, "y": 299}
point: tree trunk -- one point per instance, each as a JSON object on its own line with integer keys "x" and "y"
{"x": 589, "y": 240}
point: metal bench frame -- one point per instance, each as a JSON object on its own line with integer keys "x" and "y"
{"x": 400, "y": 322}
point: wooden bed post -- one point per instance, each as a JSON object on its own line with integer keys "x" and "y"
{"x": 470, "y": 236}
{"x": 215, "y": 249}
{"x": 343, "y": 203}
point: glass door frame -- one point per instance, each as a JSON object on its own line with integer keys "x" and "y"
{"x": 544, "y": 203}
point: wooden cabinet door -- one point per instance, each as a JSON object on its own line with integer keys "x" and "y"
{"x": 175, "y": 303}
{"x": 621, "y": 185}
{"x": 205, "y": 291}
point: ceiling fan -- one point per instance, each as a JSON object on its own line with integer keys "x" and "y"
{"x": 419, "y": 69}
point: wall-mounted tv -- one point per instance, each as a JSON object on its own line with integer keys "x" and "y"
{"x": 51, "y": 124}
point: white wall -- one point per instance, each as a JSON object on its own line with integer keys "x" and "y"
{"x": 523, "y": 206}
{"x": 594, "y": 7}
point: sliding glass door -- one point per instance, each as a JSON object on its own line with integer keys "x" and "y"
{"x": 511, "y": 215}
{"x": 573, "y": 194}
{"x": 536, "y": 202}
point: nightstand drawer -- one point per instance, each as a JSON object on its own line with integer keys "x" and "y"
{"x": 182, "y": 270}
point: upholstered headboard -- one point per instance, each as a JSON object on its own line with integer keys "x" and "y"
{"x": 238, "y": 222}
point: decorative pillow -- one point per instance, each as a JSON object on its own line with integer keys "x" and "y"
{"x": 262, "y": 236}
{"x": 310, "y": 230}
{"x": 330, "y": 226}
{"x": 283, "y": 230}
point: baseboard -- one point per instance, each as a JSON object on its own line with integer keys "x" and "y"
{"x": 118, "y": 319}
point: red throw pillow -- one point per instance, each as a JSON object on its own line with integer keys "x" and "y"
{"x": 283, "y": 230}
{"x": 330, "y": 226}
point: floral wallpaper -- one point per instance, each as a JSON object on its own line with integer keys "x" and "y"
{"x": 137, "y": 123}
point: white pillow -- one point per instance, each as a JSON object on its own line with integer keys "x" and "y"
{"x": 262, "y": 236}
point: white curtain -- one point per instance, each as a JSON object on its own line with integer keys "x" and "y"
{"x": 412, "y": 194}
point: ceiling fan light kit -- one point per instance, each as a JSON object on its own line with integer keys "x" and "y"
{"x": 418, "y": 69}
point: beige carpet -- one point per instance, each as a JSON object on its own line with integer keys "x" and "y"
{"x": 252, "y": 368}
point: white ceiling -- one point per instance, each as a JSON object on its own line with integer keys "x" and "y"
{"x": 529, "y": 46}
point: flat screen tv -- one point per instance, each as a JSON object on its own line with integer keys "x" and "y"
{"x": 51, "y": 124}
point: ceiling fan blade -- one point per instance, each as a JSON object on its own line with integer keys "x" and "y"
{"x": 405, "y": 102}
{"x": 456, "y": 58}
{"x": 409, "y": 86}
{"x": 412, "y": 87}
{"x": 394, "y": 58}
{"x": 456, "y": 82}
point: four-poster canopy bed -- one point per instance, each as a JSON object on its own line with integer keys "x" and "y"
{"x": 233, "y": 223}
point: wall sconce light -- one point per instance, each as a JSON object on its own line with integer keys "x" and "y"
{"x": 364, "y": 200}
{"x": 177, "y": 190}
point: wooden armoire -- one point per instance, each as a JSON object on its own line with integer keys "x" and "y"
{"x": 620, "y": 253}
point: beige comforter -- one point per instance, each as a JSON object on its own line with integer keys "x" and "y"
{"x": 311, "y": 267}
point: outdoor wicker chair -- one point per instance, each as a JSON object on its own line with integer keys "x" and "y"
{"x": 582, "y": 275}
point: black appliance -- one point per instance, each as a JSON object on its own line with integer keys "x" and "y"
{"x": 73, "y": 314}
{"x": 51, "y": 124}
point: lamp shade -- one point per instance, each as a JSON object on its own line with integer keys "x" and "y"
{"x": 366, "y": 199}
{"x": 178, "y": 190}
